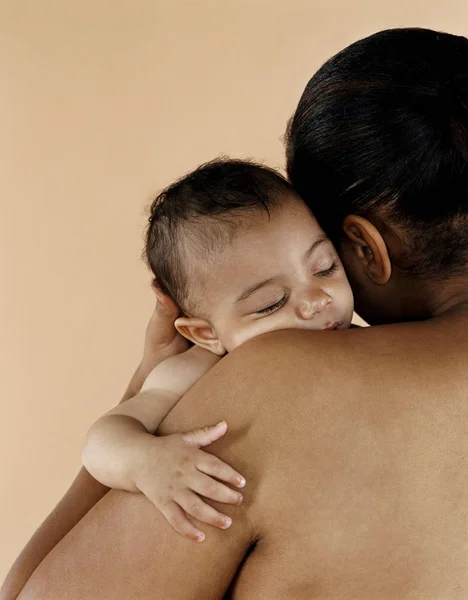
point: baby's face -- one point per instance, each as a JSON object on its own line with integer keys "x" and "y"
{"x": 281, "y": 272}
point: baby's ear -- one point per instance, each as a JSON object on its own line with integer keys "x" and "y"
{"x": 200, "y": 332}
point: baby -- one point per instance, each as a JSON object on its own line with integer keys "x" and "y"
{"x": 241, "y": 255}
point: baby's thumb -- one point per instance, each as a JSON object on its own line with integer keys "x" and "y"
{"x": 206, "y": 435}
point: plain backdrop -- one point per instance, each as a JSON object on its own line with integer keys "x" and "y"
{"x": 102, "y": 103}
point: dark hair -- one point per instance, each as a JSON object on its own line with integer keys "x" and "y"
{"x": 201, "y": 212}
{"x": 381, "y": 130}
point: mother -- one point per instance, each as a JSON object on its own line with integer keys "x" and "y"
{"x": 353, "y": 443}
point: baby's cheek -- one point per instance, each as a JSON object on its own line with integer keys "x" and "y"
{"x": 344, "y": 293}
{"x": 246, "y": 333}
{"x": 346, "y": 301}
{"x": 233, "y": 339}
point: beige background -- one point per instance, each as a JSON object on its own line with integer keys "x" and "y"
{"x": 102, "y": 102}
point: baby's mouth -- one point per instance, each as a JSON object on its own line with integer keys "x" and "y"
{"x": 333, "y": 325}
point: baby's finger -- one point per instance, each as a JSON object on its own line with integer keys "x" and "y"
{"x": 210, "y": 488}
{"x": 213, "y": 466}
{"x": 206, "y": 435}
{"x": 177, "y": 519}
{"x": 194, "y": 506}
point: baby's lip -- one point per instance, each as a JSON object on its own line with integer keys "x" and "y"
{"x": 333, "y": 325}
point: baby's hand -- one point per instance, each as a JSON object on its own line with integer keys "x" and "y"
{"x": 175, "y": 472}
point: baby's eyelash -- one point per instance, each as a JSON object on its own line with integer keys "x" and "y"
{"x": 272, "y": 307}
{"x": 328, "y": 271}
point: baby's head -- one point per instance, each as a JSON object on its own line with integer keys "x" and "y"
{"x": 241, "y": 255}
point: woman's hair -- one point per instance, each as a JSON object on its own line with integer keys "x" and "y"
{"x": 201, "y": 212}
{"x": 381, "y": 130}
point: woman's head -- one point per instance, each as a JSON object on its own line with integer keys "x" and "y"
{"x": 378, "y": 149}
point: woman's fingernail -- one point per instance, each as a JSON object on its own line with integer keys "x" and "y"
{"x": 241, "y": 482}
{"x": 200, "y": 537}
{"x": 240, "y": 499}
{"x": 227, "y": 523}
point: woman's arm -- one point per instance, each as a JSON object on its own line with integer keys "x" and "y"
{"x": 161, "y": 342}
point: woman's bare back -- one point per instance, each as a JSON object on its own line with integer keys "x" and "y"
{"x": 354, "y": 446}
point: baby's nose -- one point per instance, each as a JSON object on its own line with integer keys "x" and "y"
{"x": 310, "y": 307}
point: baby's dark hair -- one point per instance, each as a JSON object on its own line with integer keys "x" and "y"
{"x": 381, "y": 131}
{"x": 201, "y": 212}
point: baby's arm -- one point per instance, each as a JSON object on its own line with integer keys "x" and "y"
{"x": 171, "y": 471}
{"x": 116, "y": 440}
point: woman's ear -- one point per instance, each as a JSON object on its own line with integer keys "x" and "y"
{"x": 369, "y": 248}
{"x": 200, "y": 332}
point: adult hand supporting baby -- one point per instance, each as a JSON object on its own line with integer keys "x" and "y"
{"x": 162, "y": 340}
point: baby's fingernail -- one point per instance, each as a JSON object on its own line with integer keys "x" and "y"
{"x": 240, "y": 499}
{"x": 200, "y": 537}
{"x": 241, "y": 482}
{"x": 227, "y": 523}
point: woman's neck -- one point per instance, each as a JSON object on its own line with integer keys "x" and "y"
{"x": 448, "y": 296}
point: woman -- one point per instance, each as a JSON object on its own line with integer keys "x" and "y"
{"x": 378, "y": 148}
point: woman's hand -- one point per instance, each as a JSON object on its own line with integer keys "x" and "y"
{"x": 162, "y": 340}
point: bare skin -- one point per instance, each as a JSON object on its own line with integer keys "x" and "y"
{"x": 353, "y": 444}
{"x": 161, "y": 342}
